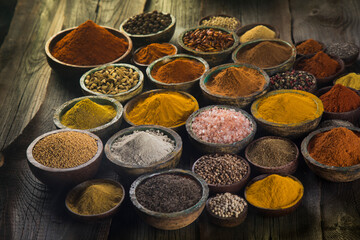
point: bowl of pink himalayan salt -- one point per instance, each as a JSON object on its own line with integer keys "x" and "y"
{"x": 220, "y": 129}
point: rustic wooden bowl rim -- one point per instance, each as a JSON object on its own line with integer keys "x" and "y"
{"x": 243, "y": 112}
{"x": 226, "y": 218}
{"x": 145, "y": 65}
{"x": 172, "y": 24}
{"x": 127, "y": 131}
{"x": 68, "y": 30}
{"x": 198, "y": 205}
{"x": 36, "y": 164}
{"x": 221, "y": 15}
{"x": 59, "y": 112}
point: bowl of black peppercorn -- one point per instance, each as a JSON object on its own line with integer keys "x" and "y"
{"x": 146, "y": 28}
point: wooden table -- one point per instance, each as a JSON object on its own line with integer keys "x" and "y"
{"x": 29, "y": 92}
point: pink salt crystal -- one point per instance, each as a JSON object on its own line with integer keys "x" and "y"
{"x": 219, "y": 125}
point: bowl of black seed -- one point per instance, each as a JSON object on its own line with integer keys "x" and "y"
{"x": 146, "y": 28}
{"x": 347, "y": 51}
{"x": 223, "y": 172}
{"x": 169, "y": 200}
{"x": 226, "y": 210}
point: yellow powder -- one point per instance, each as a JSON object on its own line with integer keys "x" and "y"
{"x": 350, "y": 80}
{"x": 258, "y": 32}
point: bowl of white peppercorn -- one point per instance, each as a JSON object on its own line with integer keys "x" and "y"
{"x": 119, "y": 81}
{"x": 226, "y": 210}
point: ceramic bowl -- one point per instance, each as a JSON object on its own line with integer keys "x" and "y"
{"x": 56, "y": 177}
{"x": 351, "y": 116}
{"x": 207, "y": 147}
{"x": 288, "y": 168}
{"x": 269, "y": 211}
{"x": 240, "y": 102}
{"x": 300, "y": 42}
{"x": 231, "y": 188}
{"x": 121, "y": 97}
{"x": 175, "y": 220}
{"x": 161, "y": 36}
{"x": 185, "y": 86}
{"x": 246, "y": 28}
{"x": 330, "y": 173}
{"x": 73, "y": 193}
{"x": 131, "y": 104}
{"x": 285, "y": 66}
{"x": 226, "y": 221}
{"x": 221, "y": 15}
{"x": 294, "y": 130}
{"x": 312, "y": 89}
{"x": 73, "y": 71}
{"x": 102, "y": 131}
{"x": 212, "y": 58}
{"x": 325, "y": 80}
{"x": 169, "y": 161}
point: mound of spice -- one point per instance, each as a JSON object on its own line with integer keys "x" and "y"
{"x": 308, "y": 47}
{"x": 142, "y": 148}
{"x": 221, "y": 125}
{"x": 178, "y": 71}
{"x": 289, "y": 108}
{"x": 346, "y": 50}
{"x": 274, "y": 192}
{"x": 265, "y": 54}
{"x": 338, "y": 147}
{"x": 89, "y": 44}
{"x": 221, "y": 169}
{"x": 95, "y": 199}
{"x": 258, "y": 32}
{"x": 153, "y": 51}
{"x": 167, "y": 109}
{"x": 208, "y": 40}
{"x": 65, "y": 149}
{"x": 227, "y": 205}
{"x": 147, "y": 23}
{"x": 229, "y": 23}
{"x": 350, "y": 80}
{"x": 271, "y": 152}
{"x": 298, "y": 80}
{"x": 87, "y": 114}
{"x": 236, "y": 82}
{"x": 112, "y": 80}
{"x": 167, "y": 193}
{"x": 340, "y": 99}
{"x": 321, "y": 65}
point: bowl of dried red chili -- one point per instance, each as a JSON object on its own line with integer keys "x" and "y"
{"x": 214, "y": 44}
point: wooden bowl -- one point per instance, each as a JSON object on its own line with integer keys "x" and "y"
{"x": 94, "y": 217}
{"x": 246, "y": 28}
{"x": 212, "y": 58}
{"x": 221, "y": 15}
{"x": 294, "y": 130}
{"x": 330, "y": 173}
{"x": 185, "y": 86}
{"x": 169, "y": 161}
{"x": 226, "y": 221}
{"x": 342, "y": 75}
{"x": 351, "y": 116}
{"x": 103, "y": 131}
{"x": 240, "y": 102}
{"x": 175, "y": 220}
{"x": 121, "y": 97}
{"x": 285, "y": 66}
{"x": 161, "y": 36}
{"x": 312, "y": 89}
{"x": 208, "y": 147}
{"x": 74, "y": 71}
{"x": 55, "y": 177}
{"x": 288, "y": 168}
{"x": 349, "y": 60}
{"x": 326, "y": 80}
{"x": 300, "y": 42}
{"x": 231, "y": 188}
{"x": 133, "y": 102}
{"x": 269, "y": 211}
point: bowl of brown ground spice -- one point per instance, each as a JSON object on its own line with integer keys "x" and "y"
{"x": 65, "y": 157}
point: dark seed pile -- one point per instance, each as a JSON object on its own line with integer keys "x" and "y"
{"x": 342, "y": 50}
{"x": 168, "y": 193}
{"x": 298, "y": 80}
{"x": 147, "y": 23}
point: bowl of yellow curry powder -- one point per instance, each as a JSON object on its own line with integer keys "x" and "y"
{"x": 288, "y": 113}
{"x": 97, "y": 114}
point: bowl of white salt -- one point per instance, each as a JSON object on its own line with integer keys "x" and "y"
{"x": 143, "y": 149}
